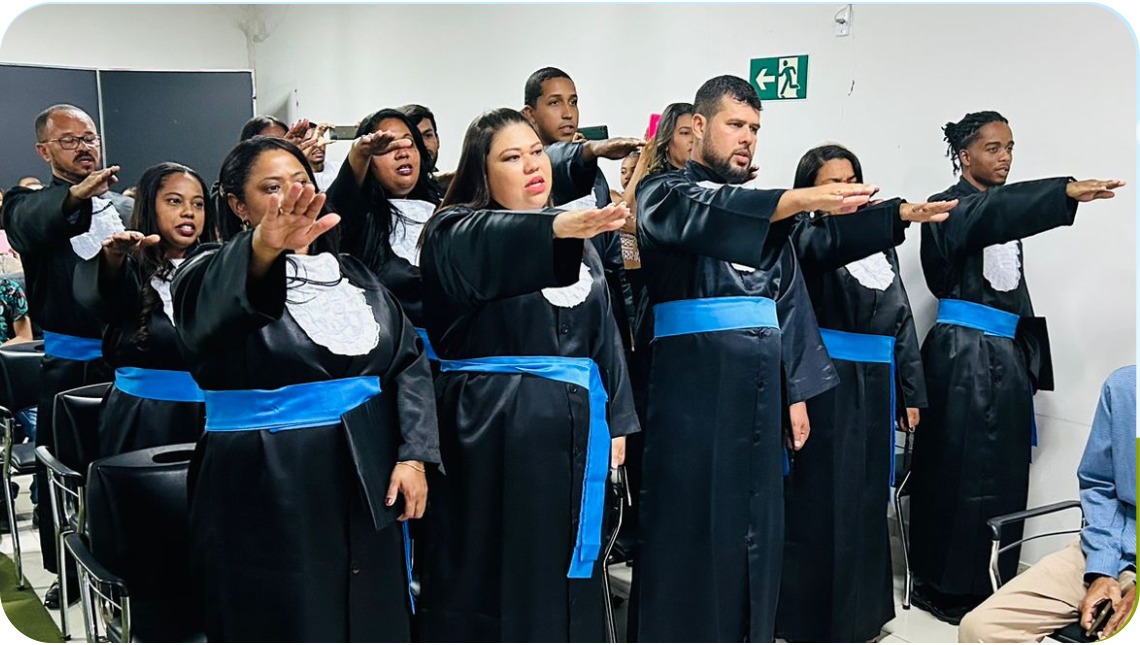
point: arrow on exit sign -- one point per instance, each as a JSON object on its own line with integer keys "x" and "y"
{"x": 762, "y": 79}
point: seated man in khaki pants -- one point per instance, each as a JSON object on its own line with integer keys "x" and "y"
{"x": 1067, "y": 585}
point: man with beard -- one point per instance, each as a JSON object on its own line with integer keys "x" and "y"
{"x": 53, "y": 229}
{"x": 984, "y": 359}
{"x": 736, "y": 345}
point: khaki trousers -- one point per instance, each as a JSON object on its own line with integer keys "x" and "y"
{"x": 1034, "y": 604}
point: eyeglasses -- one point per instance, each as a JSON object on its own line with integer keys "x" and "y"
{"x": 71, "y": 143}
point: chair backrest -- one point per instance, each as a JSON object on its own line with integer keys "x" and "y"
{"x": 76, "y": 425}
{"x": 138, "y": 525}
{"x": 20, "y": 375}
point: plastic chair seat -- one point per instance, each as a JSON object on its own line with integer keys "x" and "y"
{"x": 23, "y": 459}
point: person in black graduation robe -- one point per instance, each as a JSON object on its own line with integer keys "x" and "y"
{"x": 515, "y": 555}
{"x": 320, "y": 415}
{"x": 971, "y": 458}
{"x": 53, "y": 229}
{"x": 839, "y": 586}
{"x": 382, "y": 211}
{"x": 580, "y": 184}
{"x": 155, "y": 401}
{"x": 736, "y": 344}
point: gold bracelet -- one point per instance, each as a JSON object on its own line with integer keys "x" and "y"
{"x": 411, "y": 465}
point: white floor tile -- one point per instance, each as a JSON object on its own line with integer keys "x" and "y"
{"x": 892, "y": 639}
{"x": 916, "y": 626}
{"x": 621, "y": 577}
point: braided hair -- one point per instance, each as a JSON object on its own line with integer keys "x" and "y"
{"x": 959, "y": 136}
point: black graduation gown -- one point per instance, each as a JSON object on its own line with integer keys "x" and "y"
{"x": 972, "y": 452}
{"x": 286, "y": 543}
{"x": 505, "y": 517}
{"x": 399, "y": 276}
{"x": 838, "y": 542}
{"x": 128, "y": 422}
{"x": 711, "y": 529}
{"x": 574, "y": 179}
{"x": 40, "y": 231}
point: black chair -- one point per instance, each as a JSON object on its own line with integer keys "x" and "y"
{"x": 76, "y": 435}
{"x": 1072, "y": 633}
{"x": 77, "y": 413}
{"x": 618, "y": 482}
{"x": 134, "y": 558}
{"x": 902, "y": 478}
{"x": 20, "y": 378}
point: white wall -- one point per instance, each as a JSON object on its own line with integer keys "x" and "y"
{"x": 148, "y": 37}
{"x": 1063, "y": 75}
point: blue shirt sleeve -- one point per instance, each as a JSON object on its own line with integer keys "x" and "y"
{"x": 1099, "y": 496}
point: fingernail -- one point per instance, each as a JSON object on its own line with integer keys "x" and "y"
{"x": 389, "y": 501}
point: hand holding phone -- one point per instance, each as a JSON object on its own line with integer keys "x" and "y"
{"x": 343, "y": 132}
{"x": 1102, "y": 612}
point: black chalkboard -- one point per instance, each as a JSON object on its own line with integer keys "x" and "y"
{"x": 27, "y": 90}
{"x": 192, "y": 118}
{"x": 144, "y": 117}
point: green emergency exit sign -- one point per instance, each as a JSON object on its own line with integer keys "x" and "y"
{"x": 780, "y": 77}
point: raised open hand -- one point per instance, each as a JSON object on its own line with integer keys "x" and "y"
{"x": 588, "y": 223}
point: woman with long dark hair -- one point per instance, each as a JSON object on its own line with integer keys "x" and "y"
{"x": 384, "y": 195}
{"x": 154, "y": 401}
{"x": 319, "y": 415}
{"x": 837, "y": 561}
{"x": 668, "y": 149}
{"x": 518, "y": 308}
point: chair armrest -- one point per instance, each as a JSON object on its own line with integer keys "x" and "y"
{"x": 43, "y": 454}
{"x": 6, "y": 413}
{"x": 75, "y": 545}
{"x": 998, "y": 523}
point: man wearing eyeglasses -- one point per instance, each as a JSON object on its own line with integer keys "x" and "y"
{"x": 53, "y": 229}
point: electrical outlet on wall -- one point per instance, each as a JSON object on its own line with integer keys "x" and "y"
{"x": 843, "y": 21}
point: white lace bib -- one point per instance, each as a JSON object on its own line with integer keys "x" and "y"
{"x": 406, "y": 235}
{"x": 105, "y": 221}
{"x": 1001, "y": 266}
{"x": 337, "y": 318}
{"x": 575, "y": 294}
{"x": 874, "y": 271}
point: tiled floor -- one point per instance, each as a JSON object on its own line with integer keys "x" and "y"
{"x": 909, "y": 626}
{"x": 34, "y": 571}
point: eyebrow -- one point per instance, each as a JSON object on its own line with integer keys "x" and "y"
{"x": 520, "y": 148}
{"x": 278, "y": 177}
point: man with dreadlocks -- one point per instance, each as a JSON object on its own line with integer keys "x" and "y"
{"x": 984, "y": 359}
